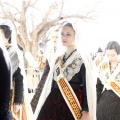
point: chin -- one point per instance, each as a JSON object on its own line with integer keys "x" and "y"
{"x": 64, "y": 44}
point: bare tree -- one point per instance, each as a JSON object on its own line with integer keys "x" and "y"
{"x": 29, "y": 34}
{"x": 31, "y": 23}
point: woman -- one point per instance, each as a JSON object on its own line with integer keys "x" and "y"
{"x": 47, "y": 58}
{"x": 108, "y": 107}
{"x": 70, "y": 67}
{"x": 17, "y": 92}
{"x": 52, "y": 46}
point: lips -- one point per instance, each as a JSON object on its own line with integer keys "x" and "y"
{"x": 64, "y": 41}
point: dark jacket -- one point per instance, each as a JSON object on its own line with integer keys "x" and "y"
{"x": 18, "y": 78}
{"x": 5, "y": 82}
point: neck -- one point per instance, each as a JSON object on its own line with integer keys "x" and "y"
{"x": 114, "y": 63}
{"x": 70, "y": 49}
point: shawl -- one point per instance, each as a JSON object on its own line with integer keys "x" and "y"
{"x": 13, "y": 57}
{"x": 110, "y": 80}
{"x": 91, "y": 79}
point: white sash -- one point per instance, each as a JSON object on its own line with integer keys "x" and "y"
{"x": 109, "y": 79}
{"x": 67, "y": 92}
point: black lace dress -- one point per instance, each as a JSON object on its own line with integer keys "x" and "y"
{"x": 108, "y": 107}
{"x": 55, "y": 107}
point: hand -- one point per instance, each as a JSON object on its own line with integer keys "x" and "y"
{"x": 85, "y": 116}
{"x": 16, "y": 108}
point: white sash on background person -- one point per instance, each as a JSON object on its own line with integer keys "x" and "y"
{"x": 109, "y": 79}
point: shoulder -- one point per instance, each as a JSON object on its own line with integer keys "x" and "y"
{"x": 77, "y": 59}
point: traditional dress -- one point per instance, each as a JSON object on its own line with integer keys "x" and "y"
{"x": 55, "y": 106}
{"x": 108, "y": 93}
{"x": 85, "y": 63}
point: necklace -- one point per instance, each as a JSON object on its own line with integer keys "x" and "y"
{"x": 112, "y": 70}
{"x": 65, "y": 59}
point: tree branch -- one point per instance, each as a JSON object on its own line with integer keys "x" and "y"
{"x": 6, "y": 14}
{"x": 9, "y": 5}
{"x": 61, "y": 8}
{"x": 27, "y": 5}
{"x": 19, "y": 41}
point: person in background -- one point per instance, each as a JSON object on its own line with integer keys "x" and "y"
{"x": 52, "y": 46}
{"x": 17, "y": 78}
{"x": 99, "y": 57}
{"x": 49, "y": 51}
{"x": 41, "y": 61}
{"x": 5, "y": 82}
{"x": 108, "y": 84}
{"x": 49, "y": 54}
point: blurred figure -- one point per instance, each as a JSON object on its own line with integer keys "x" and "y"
{"x": 5, "y": 81}
{"x": 17, "y": 78}
{"x": 52, "y": 46}
{"x": 41, "y": 61}
{"x": 48, "y": 58}
{"x": 108, "y": 84}
{"x": 99, "y": 57}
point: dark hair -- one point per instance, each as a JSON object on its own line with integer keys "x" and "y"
{"x": 7, "y": 32}
{"x": 69, "y": 25}
{"x": 99, "y": 50}
{"x": 113, "y": 45}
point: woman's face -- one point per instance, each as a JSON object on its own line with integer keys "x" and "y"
{"x": 67, "y": 36}
{"x": 112, "y": 55}
{"x": 100, "y": 55}
{"x": 55, "y": 36}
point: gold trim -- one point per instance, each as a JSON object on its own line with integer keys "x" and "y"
{"x": 115, "y": 87}
{"x": 70, "y": 98}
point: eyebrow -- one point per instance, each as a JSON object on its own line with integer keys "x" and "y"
{"x": 66, "y": 32}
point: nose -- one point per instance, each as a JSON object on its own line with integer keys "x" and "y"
{"x": 110, "y": 58}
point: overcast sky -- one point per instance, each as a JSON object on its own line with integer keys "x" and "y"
{"x": 106, "y": 28}
{"x": 96, "y": 33}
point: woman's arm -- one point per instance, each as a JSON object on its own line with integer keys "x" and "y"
{"x": 17, "y": 76}
{"x": 85, "y": 113}
{"x": 83, "y": 77}
{"x": 99, "y": 88}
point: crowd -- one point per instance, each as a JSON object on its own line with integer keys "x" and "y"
{"x": 72, "y": 85}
